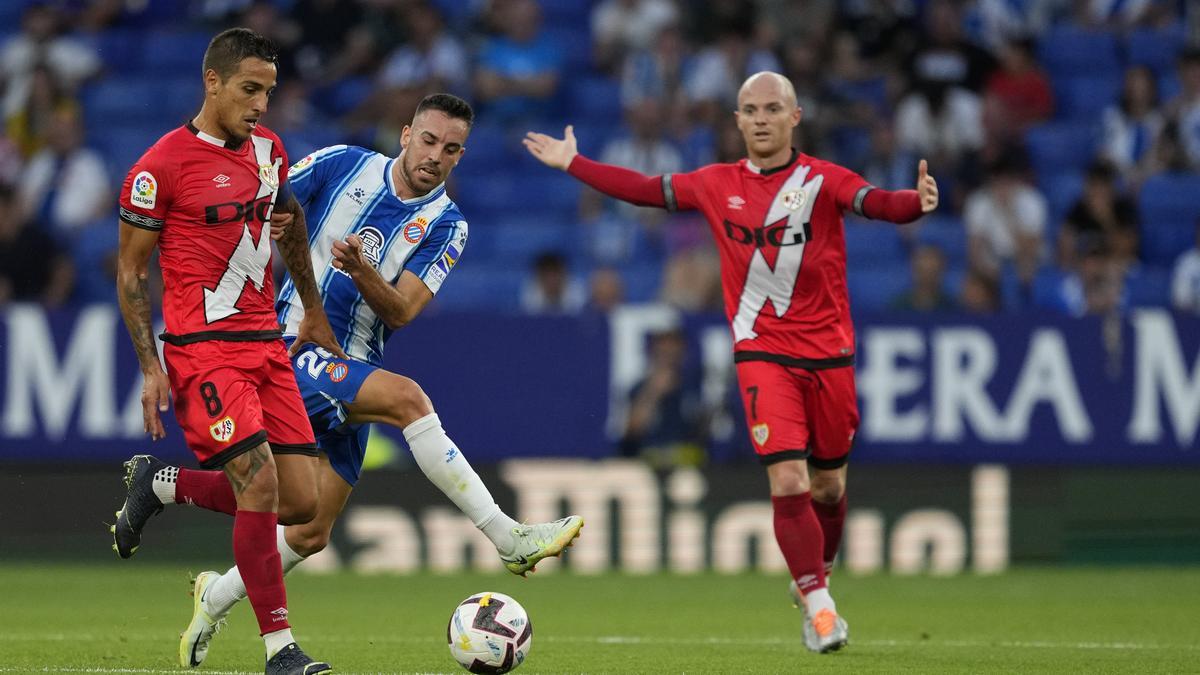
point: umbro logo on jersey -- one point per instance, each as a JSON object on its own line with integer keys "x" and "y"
{"x": 736, "y": 203}
{"x": 222, "y": 180}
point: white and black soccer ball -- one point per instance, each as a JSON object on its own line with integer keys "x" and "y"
{"x": 489, "y": 633}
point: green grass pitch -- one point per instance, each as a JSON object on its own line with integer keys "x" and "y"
{"x": 125, "y": 618}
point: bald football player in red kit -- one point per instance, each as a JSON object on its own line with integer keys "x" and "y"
{"x": 776, "y": 217}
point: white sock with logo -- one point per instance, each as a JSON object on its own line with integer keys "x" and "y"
{"x": 224, "y": 593}
{"x": 445, "y": 466}
{"x": 277, "y": 640}
{"x": 164, "y": 484}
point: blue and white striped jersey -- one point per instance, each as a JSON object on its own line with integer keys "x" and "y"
{"x": 349, "y": 190}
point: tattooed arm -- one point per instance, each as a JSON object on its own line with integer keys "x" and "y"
{"x": 133, "y": 294}
{"x": 293, "y": 246}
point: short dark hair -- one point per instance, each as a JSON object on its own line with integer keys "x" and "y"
{"x": 448, "y": 103}
{"x": 231, "y": 47}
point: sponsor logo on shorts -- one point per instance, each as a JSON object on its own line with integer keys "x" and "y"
{"x": 415, "y": 231}
{"x": 222, "y": 430}
{"x": 761, "y": 433}
{"x": 144, "y": 192}
{"x": 337, "y": 371}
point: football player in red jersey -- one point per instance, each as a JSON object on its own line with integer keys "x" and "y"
{"x": 203, "y": 195}
{"x": 776, "y": 217}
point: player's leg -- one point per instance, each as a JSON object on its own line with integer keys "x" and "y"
{"x": 216, "y": 594}
{"x": 833, "y": 411}
{"x": 393, "y": 399}
{"x": 829, "y": 503}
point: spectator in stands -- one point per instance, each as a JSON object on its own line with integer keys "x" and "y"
{"x": 326, "y": 27}
{"x": 33, "y": 266}
{"x": 621, "y": 27}
{"x": 1185, "y": 279}
{"x": 692, "y": 279}
{"x": 518, "y": 70}
{"x": 1096, "y": 287}
{"x": 27, "y": 126}
{"x": 887, "y": 167}
{"x": 40, "y": 43}
{"x": 1018, "y": 94}
{"x": 606, "y": 290}
{"x": 66, "y": 185}
{"x": 720, "y": 69}
{"x": 1103, "y": 215}
{"x": 980, "y": 294}
{"x": 946, "y": 55}
{"x": 1006, "y": 222}
{"x": 551, "y": 290}
{"x": 644, "y": 148}
{"x": 927, "y": 293}
{"x": 1185, "y": 109}
{"x": 659, "y": 73}
{"x": 1132, "y": 126}
{"x": 432, "y": 59}
{"x": 666, "y": 421}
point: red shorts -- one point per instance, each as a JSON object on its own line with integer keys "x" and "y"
{"x": 794, "y": 413}
{"x": 232, "y": 396}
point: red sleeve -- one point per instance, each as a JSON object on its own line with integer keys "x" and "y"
{"x": 146, "y": 193}
{"x": 855, "y": 194}
{"x": 670, "y": 191}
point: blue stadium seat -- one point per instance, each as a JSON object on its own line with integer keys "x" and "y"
{"x": 575, "y": 44}
{"x": 516, "y": 242}
{"x": 1156, "y": 49}
{"x": 873, "y": 288}
{"x": 1067, "y": 51}
{"x": 123, "y": 102}
{"x": 1149, "y": 285}
{"x": 947, "y": 233}
{"x": 1169, "y": 209}
{"x": 182, "y": 97}
{"x": 1048, "y": 289}
{"x": 575, "y": 13}
{"x": 871, "y": 244}
{"x": 172, "y": 52}
{"x": 342, "y": 96}
{"x": 122, "y": 146}
{"x": 1056, "y": 147}
{"x": 642, "y": 282}
{"x": 120, "y": 49}
{"x": 594, "y": 100}
{"x": 474, "y": 286}
{"x": 1086, "y": 96}
{"x": 1061, "y": 190}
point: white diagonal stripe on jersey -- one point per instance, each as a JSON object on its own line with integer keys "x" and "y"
{"x": 777, "y": 284}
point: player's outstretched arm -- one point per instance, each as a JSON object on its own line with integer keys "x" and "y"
{"x": 293, "y": 245}
{"x": 394, "y": 305}
{"x": 133, "y": 294}
{"x": 614, "y": 181}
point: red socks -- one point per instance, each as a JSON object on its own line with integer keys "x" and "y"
{"x": 799, "y": 535}
{"x": 832, "y": 518}
{"x": 207, "y": 489}
{"x": 257, "y": 558}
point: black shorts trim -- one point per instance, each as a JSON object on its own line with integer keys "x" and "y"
{"x": 793, "y": 362}
{"x": 782, "y": 456}
{"x": 221, "y": 335}
{"x": 240, "y": 448}
{"x": 309, "y": 449}
{"x": 828, "y": 464}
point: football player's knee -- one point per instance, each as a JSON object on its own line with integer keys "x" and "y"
{"x": 409, "y": 401}
{"x": 827, "y": 492}
{"x": 310, "y": 540}
{"x": 297, "y": 509}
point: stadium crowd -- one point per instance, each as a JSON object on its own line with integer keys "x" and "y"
{"x": 1065, "y": 134}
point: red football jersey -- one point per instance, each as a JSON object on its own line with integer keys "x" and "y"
{"x": 782, "y": 247}
{"x": 212, "y": 203}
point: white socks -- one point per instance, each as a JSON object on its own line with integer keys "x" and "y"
{"x": 164, "y": 484}
{"x": 278, "y": 640}
{"x": 818, "y": 600}
{"x": 444, "y": 465}
{"x": 227, "y": 591}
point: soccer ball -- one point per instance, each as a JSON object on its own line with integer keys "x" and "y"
{"x": 489, "y": 633}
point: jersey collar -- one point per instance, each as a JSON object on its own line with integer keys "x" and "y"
{"x": 213, "y": 140}
{"x": 391, "y": 184}
{"x": 767, "y": 172}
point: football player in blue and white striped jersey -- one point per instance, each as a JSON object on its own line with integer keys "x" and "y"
{"x": 383, "y": 235}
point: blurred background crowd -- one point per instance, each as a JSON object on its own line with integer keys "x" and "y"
{"x": 1065, "y": 135}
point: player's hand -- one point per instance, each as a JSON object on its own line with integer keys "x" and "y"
{"x": 348, "y": 255}
{"x": 156, "y": 398}
{"x": 553, "y": 152}
{"x": 314, "y": 329}
{"x": 280, "y": 222}
{"x": 927, "y": 188}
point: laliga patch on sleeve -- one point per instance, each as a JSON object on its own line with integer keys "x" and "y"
{"x": 302, "y": 164}
{"x": 144, "y": 191}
